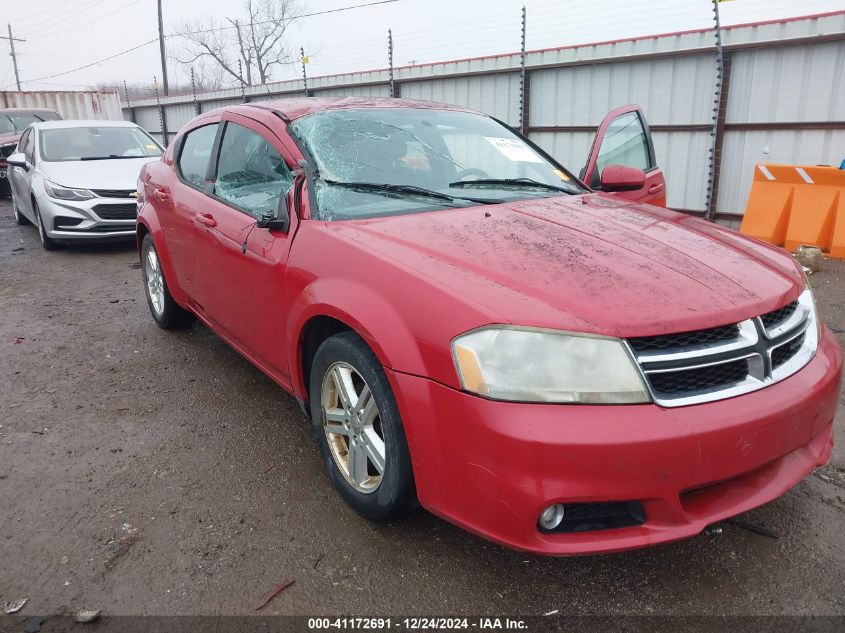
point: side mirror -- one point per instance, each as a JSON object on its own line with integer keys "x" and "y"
{"x": 278, "y": 221}
{"x": 17, "y": 160}
{"x": 622, "y": 178}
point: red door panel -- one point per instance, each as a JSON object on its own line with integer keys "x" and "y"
{"x": 241, "y": 269}
{"x": 624, "y": 138}
{"x": 178, "y": 197}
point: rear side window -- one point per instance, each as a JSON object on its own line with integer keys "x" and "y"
{"x": 251, "y": 174}
{"x": 195, "y": 154}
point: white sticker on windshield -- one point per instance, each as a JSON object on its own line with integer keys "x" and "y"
{"x": 514, "y": 150}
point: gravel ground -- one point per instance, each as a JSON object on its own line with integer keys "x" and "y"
{"x": 147, "y": 472}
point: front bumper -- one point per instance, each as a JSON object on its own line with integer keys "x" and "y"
{"x": 72, "y": 221}
{"x": 492, "y": 467}
{"x": 5, "y": 189}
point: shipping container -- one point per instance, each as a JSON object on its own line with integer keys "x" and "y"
{"x": 94, "y": 104}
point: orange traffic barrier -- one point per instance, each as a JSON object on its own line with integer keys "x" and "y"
{"x": 791, "y": 205}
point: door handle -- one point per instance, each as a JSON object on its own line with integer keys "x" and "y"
{"x": 656, "y": 188}
{"x": 161, "y": 194}
{"x": 206, "y": 219}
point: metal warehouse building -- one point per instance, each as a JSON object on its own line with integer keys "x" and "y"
{"x": 783, "y": 99}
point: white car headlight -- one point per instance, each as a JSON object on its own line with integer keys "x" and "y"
{"x": 535, "y": 365}
{"x": 66, "y": 193}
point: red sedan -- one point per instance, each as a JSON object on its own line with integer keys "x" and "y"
{"x": 469, "y": 327}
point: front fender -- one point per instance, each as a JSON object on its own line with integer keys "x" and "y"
{"x": 363, "y": 309}
{"x": 148, "y": 223}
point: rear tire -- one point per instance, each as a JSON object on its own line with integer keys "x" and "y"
{"x": 168, "y": 314}
{"x": 47, "y": 242}
{"x": 355, "y": 418}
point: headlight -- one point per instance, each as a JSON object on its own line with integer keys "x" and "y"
{"x": 65, "y": 193}
{"x": 534, "y": 365}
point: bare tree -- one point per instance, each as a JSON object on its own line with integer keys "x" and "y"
{"x": 255, "y": 38}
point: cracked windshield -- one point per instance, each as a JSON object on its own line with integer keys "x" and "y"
{"x": 388, "y": 161}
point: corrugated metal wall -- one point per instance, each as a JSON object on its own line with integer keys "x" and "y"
{"x": 71, "y": 105}
{"x": 787, "y": 73}
{"x": 790, "y": 84}
{"x": 497, "y": 95}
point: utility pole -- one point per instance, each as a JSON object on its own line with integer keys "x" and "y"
{"x": 12, "y": 41}
{"x": 390, "y": 61}
{"x": 161, "y": 51}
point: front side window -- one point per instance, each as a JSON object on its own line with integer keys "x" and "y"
{"x": 385, "y": 161}
{"x": 27, "y": 145}
{"x": 624, "y": 143}
{"x": 96, "y": 143}
{"x": 251, "y": 174}
{"x": 195, "y": 153}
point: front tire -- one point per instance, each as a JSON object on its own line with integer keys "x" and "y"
{"x": 359, "y": 430}
{"x": 20, "y": 219}
{"x": 168, "y": 314}
{"x": 47, "y": 242}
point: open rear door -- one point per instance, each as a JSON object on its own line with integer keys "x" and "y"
{"x": 623, "y": 138}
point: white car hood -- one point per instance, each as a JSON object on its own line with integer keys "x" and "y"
{"x": 120, "y": 173}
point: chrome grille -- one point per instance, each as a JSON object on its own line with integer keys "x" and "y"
{"x": 684, "y": 339}
{"x": 127, "y": 211}
{"x": 115, "y": 193}
{"x": 726, "y": 361}
{"x": 775, "y": 317}
{"x": 700, "y": 378}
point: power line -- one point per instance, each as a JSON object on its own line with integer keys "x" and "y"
{"x": 62, "y": 16}
{"x": 99, "y": 61}
{"x": 147, "y": 43}
{"x": 76, "y": 26}
{"x": 304, "y": 15}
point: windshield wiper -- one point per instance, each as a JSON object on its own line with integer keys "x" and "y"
{"x": 112, "y": 157}
{"x": 509, "y": 182}
{"x": 410, "y": 190}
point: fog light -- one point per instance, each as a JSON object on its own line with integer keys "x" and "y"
{"x": 551, "y": 517}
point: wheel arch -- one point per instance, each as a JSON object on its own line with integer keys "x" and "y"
{"x": 330, "y": 306}
{"x": 147, "y": 224}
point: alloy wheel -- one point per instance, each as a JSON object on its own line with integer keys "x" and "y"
{"x": 352, "y": 426}
{"x": 155, "y": 281}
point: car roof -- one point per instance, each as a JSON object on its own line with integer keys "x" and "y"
{"x": 302, "y": 106}
{"x": 70, "y": 123}
{"x": 26, "y": 110}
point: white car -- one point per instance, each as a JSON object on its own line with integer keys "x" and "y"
{"x": 76, "y": 180}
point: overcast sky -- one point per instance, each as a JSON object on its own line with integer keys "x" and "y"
{"x": 65, "y": 34}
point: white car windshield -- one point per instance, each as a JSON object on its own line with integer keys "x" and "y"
{"x": 384, "y": 161}
{"x": 96, "y": 143}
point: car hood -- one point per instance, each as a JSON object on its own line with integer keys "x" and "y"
{"x": 120, "y": 173}
{"x": 7, "y": 139}
{"x": 587, "y": 263}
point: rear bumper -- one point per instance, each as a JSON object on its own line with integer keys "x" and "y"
{"x": 492, "y": 467}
